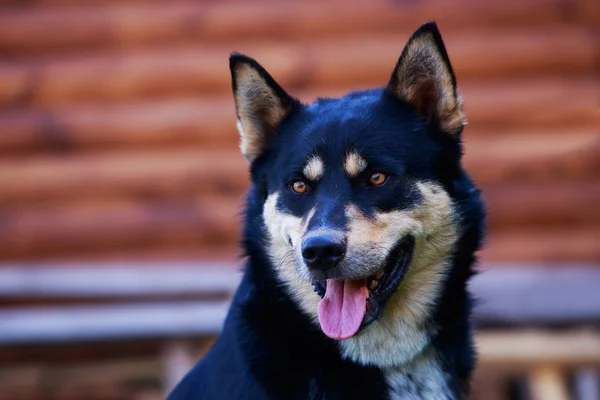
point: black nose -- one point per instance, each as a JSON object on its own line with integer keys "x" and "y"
{"x": 323, "y": 251}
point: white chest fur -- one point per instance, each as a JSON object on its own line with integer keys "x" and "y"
{"x": 421, "y": 379}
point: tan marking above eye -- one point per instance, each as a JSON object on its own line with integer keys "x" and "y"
{"x": 377, "y": 178}
{"x": 354, "y": 164}
{"x": 299, "y": 186}
{"x": 314, "y": 169}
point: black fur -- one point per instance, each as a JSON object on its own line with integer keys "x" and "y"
{"x": 269, "y": 349}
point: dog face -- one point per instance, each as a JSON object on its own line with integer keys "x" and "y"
{"x": 358, "y": 211}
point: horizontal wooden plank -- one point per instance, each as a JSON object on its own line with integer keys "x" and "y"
{"x": 528, "y": 158}
{"x": 114, "y": 322}
{"x": 143, "y": 176}
{"x": 360, "y": 59}
{"x": 588, "y": 11}
{"x": 117, "y": 279}
{"x": 493, "y": 108}
{"x": 167, "y": 252}
{"x": 542, "y": 203}
{"x": 60, "y": 231}
{"x": 132, "y": 24}
{"x": 543, "y": 245}
{"x": 526, "y": 294}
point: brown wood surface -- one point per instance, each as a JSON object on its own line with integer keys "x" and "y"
{"x": 129, "y": 24}
{"x": 570, "y": 243}
{"x": 118, "y": 129}
{"x": 142, "y": 175}
{"x": 588, "y": 11}
{"x": 53, "y": 232}
{"x": 493, "y": 108}
{"x": 549, "y": 203}
{"x": 364, "y": 59}
{"x": 523, "y": 158}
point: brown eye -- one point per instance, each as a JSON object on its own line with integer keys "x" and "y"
{"x": 377, "y": 178}
{"x": 299, "y": 187}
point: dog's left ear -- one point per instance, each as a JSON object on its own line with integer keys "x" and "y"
{"x": 261, "y": 104}
{"x": 423, "y": 77}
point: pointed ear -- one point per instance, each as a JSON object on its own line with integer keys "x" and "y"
{"x": 261, "y": 104}
{"x": 423, "y": 77}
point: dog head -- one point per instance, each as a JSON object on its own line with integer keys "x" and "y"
{"x": 357, "y": 196}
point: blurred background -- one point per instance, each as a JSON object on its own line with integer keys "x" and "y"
{"x": 121, "y": 182}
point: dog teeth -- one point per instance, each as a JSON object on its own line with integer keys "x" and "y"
{"x": 379, "y": 275}
{"x": 373, "y": 285}
{"x": 319, "y": 289}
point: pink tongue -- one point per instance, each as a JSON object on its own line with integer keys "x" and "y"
{"x": 342, "y": 309}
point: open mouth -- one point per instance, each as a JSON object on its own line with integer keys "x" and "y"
{"x": 350, "y": 305}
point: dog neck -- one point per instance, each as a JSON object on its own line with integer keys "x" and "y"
{"x": 421, "y": 378}
{"x": 406, "y": 327}
{"x": 430, "y": 357}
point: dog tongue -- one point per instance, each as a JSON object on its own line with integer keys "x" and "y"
{"x": 343, "y": 307}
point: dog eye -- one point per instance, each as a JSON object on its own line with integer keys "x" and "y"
{"x": 299, "y": 186}
{"x": 377, "y": 179}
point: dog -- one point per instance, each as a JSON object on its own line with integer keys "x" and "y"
{"x": 361, "y": 228}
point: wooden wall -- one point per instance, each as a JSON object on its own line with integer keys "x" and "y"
{"x": 117, "y": 126}
{"x": 118, "y": 139}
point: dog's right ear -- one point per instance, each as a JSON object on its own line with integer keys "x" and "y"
{"x": 261, "y": 104}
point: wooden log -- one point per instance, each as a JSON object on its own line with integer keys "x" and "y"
{"x": 142, "y": 176}
{"x": 531, "y": 102}
{"x": 57, "y": 231}
{"x": 16, "y": 83}
{"x": 364, "y": 61}
{"x": 527, "y": 158}
{"x": 201, "y": 122}
{"x": 501, "y": 108}
{"x": 588, "y": 11}
{"x": 539, "y": 204}
{"x": 132, "y": 24}
{"x": 167, "y": 252}
{"x": 561, "y": 244}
